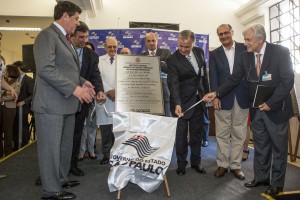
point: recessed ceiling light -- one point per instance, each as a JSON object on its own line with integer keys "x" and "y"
{"x": 19, "y": 29}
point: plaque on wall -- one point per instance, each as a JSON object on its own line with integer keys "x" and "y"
{"x": 138, "y": 85}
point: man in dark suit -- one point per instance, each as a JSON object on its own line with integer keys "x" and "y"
{"x": 24, "y": 101}
{"x": 152, "y": 50}
{"x": 268, "y": 65}
{"x": 89, "y": 70}
{"x": 231, "y": 111}
{"x": 57, "y": 92}
{"x": 187, "y": 80}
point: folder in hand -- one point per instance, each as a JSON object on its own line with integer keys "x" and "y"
{"x": 262, "y": 94}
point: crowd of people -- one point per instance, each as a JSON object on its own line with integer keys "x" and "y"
{"x": 80, "y": 95}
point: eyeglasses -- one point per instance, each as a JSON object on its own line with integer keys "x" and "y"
{"x": 111, "y": 47}
{"x": 225, "y": 33}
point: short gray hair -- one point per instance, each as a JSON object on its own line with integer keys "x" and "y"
{"x": 186, "y": 34}
{"x": 258, "y": 29}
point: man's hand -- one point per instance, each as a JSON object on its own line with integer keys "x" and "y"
{"x": 178, "y": 111}
{"x": 21, "y": 103}
{"x": 101, "y": 98}
{"x": 89, "y": 87}
{"x": 264, "y": 107}
{"x": 111, "y": 94}
{"x": 84, "y": 94}
{"x": 217, "y": 104}
{"x": 210, "y": 96}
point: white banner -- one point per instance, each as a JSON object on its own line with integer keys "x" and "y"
{"x": 142, "y": 150}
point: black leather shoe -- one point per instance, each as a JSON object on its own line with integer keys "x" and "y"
{"x": 180, "y": 171}
{"x": 76, "y": 171}
{"x": 70, "y": 184}
{"x": 238, "y": 173}
{"x": 61, "y": 196}
{"x": 199, "y": 169}
{"x": 273, "y": 190}
{"x": 104, "y": 161}
{"x": 255, "y": 183}
{"x": 38, "y": 181}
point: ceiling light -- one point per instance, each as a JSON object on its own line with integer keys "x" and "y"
{"x": 19, "y": 29}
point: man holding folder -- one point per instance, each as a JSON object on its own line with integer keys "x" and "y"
{"x": 271, "y": 66}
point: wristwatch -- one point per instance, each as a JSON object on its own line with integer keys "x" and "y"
{"x": 217, "y": 95}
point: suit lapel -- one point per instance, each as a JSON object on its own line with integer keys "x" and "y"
{"x": 84, "y": 66}
{"x": 266, "y": 59}
{"x": 66, "y": 42}
{"x": 185, "y": 62}
{"x": 223, "y": 58}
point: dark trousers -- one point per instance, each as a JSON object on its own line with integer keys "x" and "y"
{"x": 271, "y": 148}
{"x": 108, "y": 139}
{"x": 193, "y": 126}
{"x": 79, "y": 124}
{"x": 6, "y": 127}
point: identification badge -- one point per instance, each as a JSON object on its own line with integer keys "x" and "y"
{"x": 266, "y": 76}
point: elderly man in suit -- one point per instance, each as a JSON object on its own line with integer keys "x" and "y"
{"x": 58, "y": 91}
{"x": 231, "y": 111}
{"x": 269, "y": 65}
{"x": 24, "y": 101}
{"x": 151, "y": 41}
{"x": 89, "y": 70}
{"x": 188, "y": 82}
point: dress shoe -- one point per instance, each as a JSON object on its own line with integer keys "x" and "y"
{"x": 199, "y": 169}
{"x": 70, "y": 184}
{"x": 255, "y": 183}
{"x": 76, "y": 171}
{"x": 238, "y": 173}
{"x": 221, "y": 171}
{"x": 38, "y": 181}
{"x": 180, "y": 171}
{"x": 61, "y": 196}
{"x": 2, "y": 176}
{"x": 93, "y": 157}
{"x": 104, "y": 161}
{"x": 245, "y": 155}
{"x": 273, "y": 190}
{"x": 205, "y": 143}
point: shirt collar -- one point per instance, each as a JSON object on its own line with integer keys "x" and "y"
{"x": 232, "y": 47}
{"x": 60, "y": 28}
{"x": 262, "y": 51}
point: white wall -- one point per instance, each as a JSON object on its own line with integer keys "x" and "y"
{"x": 201, "y": 16}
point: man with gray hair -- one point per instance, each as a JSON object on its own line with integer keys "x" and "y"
{"x": 188, "y": 82}
{"x": 268, "y": 65}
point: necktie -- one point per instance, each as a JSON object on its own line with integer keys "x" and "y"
{"x": 19, "y": 79}
{"x": 111, "y": 60}
{"x": 152, "y": 53}
{"x": 189, "y": 57}
{"x": 258, "y": 64}
{"x": 68, "y": 37}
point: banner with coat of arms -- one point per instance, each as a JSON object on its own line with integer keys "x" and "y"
{"x": 142, "y": 150}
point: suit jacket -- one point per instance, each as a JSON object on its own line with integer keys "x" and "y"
{"x": 57, "y": 74}
{"x": 26, "y": 92}
{"x": 183, "y": 81}
{"x": 90, "y": 70}
{"x": 219, "y": 71}
{"x": 163, "y": 54}
{"x": 276, "y": 62}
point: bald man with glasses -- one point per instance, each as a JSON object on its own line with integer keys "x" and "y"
{"x": 107, "y": 68}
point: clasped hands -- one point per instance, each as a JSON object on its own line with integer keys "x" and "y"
{"x": 86, "y": 93}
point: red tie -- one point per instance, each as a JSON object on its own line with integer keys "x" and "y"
{"x": 68, "y": 37}
{"x": 258, "y": 64}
